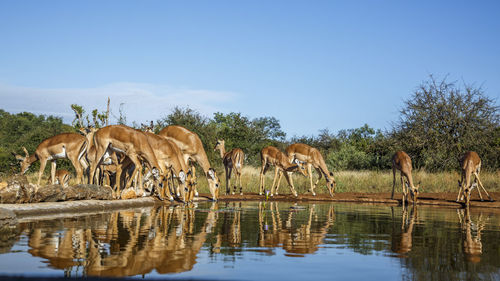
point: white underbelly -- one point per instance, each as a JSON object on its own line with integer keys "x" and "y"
{"x": 60, "y": 155}
{"x": 116, "y": 149}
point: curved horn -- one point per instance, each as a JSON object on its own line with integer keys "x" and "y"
{"x": 26, "y": 151}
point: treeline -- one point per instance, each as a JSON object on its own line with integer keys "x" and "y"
{"x": 437, "y": 124}
{"x": 28, "y": 130}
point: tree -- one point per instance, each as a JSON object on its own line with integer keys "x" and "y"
{"x": 441, "y": 121}
{"x": 28, "y": 130}
{"x": 249, "y": 135}
{"x": 98, "y": 119}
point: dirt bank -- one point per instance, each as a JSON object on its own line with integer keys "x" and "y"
{"x": 438, "y": 199}
{"x": 82, "y": 207}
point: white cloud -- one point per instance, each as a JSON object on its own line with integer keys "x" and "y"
{"x": 141, "y": 102}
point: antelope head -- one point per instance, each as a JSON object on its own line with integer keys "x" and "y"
{"x": 213, "y": 183}
{"x": 414, "y": 192}
{"x": 185, "y": 180}
{"x": 146, "y": 128}
{"x": 300, "y": 166}
{"x": 219, "y": 145}
{"x": 331, "y": 184}
{"x": 24, "y": 161}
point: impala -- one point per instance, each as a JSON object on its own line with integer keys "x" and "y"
{"x": 312, "y": 157}
{"x": 170, "y": 158}
{"x": 470, "y": 164}
{"x": 270, "y": 155}
{"x": 109, "y": 165}
{"x": 402, "y": 162}
{"x": 133, "y": 143}
{"x": 62, "y": 177}
{"x": 231, "y": 160}
{"x": 65, "y": 145}
{"x": 193, "y": 151}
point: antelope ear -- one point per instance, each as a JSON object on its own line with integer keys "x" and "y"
{"x": 26, "y": 151}
{"x": 18, "y": 157}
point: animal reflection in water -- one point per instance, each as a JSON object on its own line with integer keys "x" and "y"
{"x": 277, "y": 228}
{"x": 167, "y": 240}
{"x": 471, "y": 234}
{"x": 125, "y": 244}
{"x": 402, "y": 240}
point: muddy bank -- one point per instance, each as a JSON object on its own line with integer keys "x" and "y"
{"x": 436, "y": 199}
{"x": 82, "y": 207}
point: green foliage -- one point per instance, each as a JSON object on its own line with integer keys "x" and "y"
{"x": 348, "y": 158}
{"x": 237, "y": 131}
{"x": 99, "y": 119}
{"x": 28, "y": 130}
{"x": 441, "y": 121}
{"x": 249, "y": 135}
{"x": 437, "y": 124}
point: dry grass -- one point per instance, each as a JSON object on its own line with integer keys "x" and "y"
{"x": 347, "y": 181}
{"x": 362, "y": 181}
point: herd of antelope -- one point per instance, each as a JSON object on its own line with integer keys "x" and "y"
{"x": 164, "y": 162}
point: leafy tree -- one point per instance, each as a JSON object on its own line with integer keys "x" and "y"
{"x": 249, "y": 135}
{"x": 441, "y": 121}
{"x": 28, "y": 130}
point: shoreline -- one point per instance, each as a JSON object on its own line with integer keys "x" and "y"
{"x": 82, "y": 207}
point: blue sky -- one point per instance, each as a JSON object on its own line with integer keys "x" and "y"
{"x": 311, "y": 64}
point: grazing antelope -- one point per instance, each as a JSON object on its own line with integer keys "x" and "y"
{"x": 312, "y": 157}
{"x": 193, "y": 151}
{"x": 170, "y": 159}
{"x": 66, "y": 145}
{"x": 62, "y": 177}
{"x": 470, "y": 164}
{"x": 402, "y": 162}
{"x": 270, "y": 155}
{"x": 133, "y": 143}
{"x": 110, "y": 165}
{"x": 232, "y": 159}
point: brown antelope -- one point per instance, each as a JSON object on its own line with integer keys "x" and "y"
{"x": 232, "y": 159}
{"x": 62, "y": 177}
{"x": 133, "y": 143}
{"x": 170, "y": 158}
{"x": 193, "y": 151}
{"x": 65, "y": 145}
{"x": 312, "y": 157}
{"x": 470, "y": 164}
{"x": 402, "y": 162}
{"x": 270, "y": 155}
{"x": 109, "y": 165}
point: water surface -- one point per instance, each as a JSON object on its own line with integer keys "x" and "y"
{"x": 260, "y": 241}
